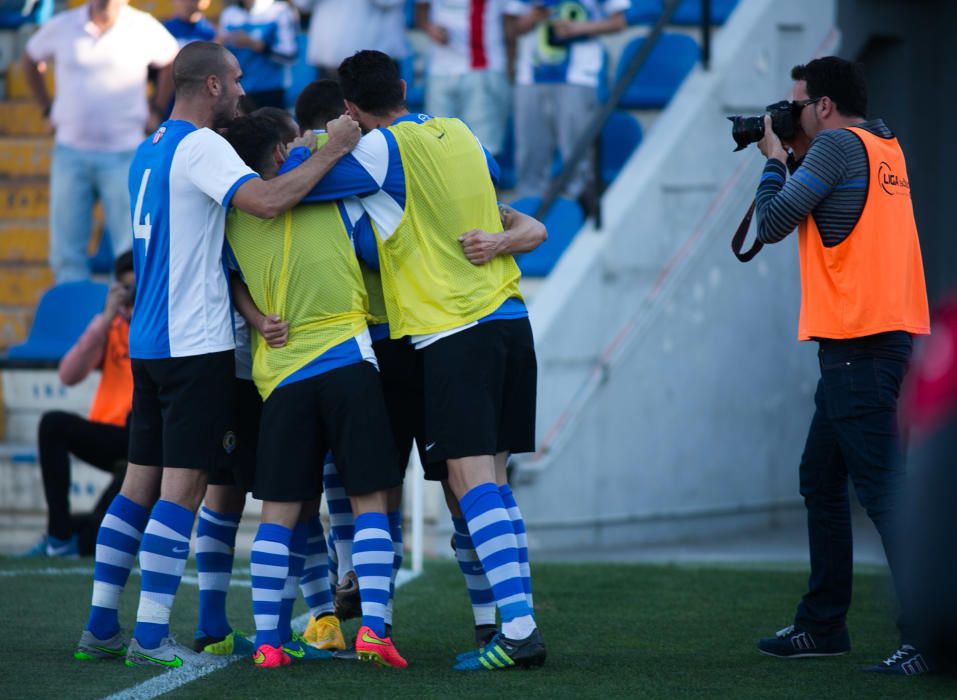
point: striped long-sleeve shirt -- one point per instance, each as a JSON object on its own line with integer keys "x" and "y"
{"x": 830, "y": 184}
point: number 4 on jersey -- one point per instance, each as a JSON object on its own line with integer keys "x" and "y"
{"x": 144, "y": 229}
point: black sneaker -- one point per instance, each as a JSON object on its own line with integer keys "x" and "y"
{"x": 791, "y": 643}
{"x": 906, "y": 661}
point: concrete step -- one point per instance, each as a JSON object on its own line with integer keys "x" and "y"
{"x": 17, "y": 88}
{"x": 25, "y": 198}
{"x": 23, "y": 285}
{"x": 25, "y": 156}
{"x": 24, "y": 240}
{"x": 21, "y": 118}
{"x": 14, "y": 325}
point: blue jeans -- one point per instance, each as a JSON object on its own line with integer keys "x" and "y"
{"x": 854, "y": 432}
{"x": 77, "y": 179}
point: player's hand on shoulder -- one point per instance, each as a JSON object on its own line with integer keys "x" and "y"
{"x": 307, "y": 140}
{"x": 344, "y": 133}
{"x": 274, "y": 330}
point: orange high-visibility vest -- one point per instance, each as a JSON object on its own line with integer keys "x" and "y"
{"x": 114, "y": 395}
{"x": 873, "y": 281}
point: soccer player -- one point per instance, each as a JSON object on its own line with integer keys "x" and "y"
{"x": 182, "y": 180}
{"x": 321, "y": 391}
{"x": 423, "y": 181}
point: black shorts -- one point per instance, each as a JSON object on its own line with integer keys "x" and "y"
{"x": 341, "y": 410}
{"x": 480, "y": 391}
{"x": 242, "y": 462}
{"x": 183, "y": 411}
{"x": 400, "y": 368}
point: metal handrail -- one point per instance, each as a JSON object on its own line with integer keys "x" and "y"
{"x": 591, "y": 136}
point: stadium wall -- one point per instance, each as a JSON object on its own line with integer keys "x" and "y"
{"x": 674, "y": 397}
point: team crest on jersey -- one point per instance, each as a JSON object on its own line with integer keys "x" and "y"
{"x": 229, "y": 442}
{"x": 158, "y": 135}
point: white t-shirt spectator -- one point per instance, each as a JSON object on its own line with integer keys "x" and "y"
{"x": 100, "y": 101}
{"x": 577, "y": 63}
{"x": 339, "y": 28}
{"x": 476, "y": 36}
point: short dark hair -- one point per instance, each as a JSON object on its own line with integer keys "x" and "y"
{"x": 319, "y": 103}
{"x": 254, "y": 138}
{"x": 123, "y": 264}
{"x": 370, "y": 80}
{"x": 283, "y": 119}
{"x": 197, "y": 61}
{"x": 833, "y": 77}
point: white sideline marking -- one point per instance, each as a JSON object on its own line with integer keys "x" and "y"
{"x": 175, "y": 678}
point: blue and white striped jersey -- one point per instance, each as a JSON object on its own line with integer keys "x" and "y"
{"x": 274, "y": 23}
{"x": 181, "y": 182}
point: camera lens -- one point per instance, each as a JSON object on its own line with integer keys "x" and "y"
{"x": 746, "y": 130}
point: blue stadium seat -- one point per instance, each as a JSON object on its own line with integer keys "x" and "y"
{"x": 689, "y": 11}
{"x": 666, "y": 68}
{"x": 63, "y": 314}
{"x": 101, "y": 262}
{"x": 301, "y": 72}
{"x": 563, "y": 221}
{"x": 620, "y": 137}
{"x": 415, "y": 90}
{"x": 506, "y": 159}
{"x": 12, "y": 13}
{"x": 643, "y": 12}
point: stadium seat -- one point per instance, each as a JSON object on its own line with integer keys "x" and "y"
{"x": 63, "y": 314}
{"x": 301, "y": 72}
{"x": 666, "y": 68}
{"x": 643, "y": 12}
{"x": 17, "y": 13}
{"x": 620, "y": 137}
{"x": 563, "y": 221}
{"x": 101, "y": 262}
{"x": 689, "y": 12}
{"x": 415, "y": 90}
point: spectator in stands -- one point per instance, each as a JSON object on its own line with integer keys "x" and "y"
{"x": 189, "y": 23}
{"x": 262, "y": 35}
{"x": 338, "y": 29}
{"x": 467, "y": 65}
{"x": 101, "y": 53}
{"x": 558, "y": 68}
{"x": 101, "y": 440}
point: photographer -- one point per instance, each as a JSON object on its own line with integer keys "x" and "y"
{"x": 100, "y": 441}
{"x": 863, "y": 297}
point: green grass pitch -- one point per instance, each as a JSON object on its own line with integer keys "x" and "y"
{"x": 613, "y": 631}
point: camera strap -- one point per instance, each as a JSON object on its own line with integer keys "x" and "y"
{"x": 738, "y": 241}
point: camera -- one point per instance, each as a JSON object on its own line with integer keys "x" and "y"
{"x": 130, "y": 293}
{"x": 785, "y": 123}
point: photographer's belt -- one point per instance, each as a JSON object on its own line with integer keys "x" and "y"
{"x": 738, "y": 240}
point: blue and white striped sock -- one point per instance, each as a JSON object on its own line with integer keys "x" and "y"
{"x": 497, "y": 549}
{"x": 215, "y": 543}
{"x": 117, "y": 541}
{"x": 518, "y": 525}
{"x": 372, "y": 558}
{"x": 480, "y": 592}
{"x": 269, "y": 569}
{"x": 395, "y": 531}
{"x": 340, "y": 517}
{"x": 297, "y": 561}
{"x": 163, "y": 555}
{"x": 314, "y": 583}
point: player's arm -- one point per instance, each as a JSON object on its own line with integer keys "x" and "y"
{"x": 569, "y": 29}
{"x": 525, "y": 18}
{"x": 521, "y": 234}
{"x": 274, "y": 330}
{"x": 269, "y": 198}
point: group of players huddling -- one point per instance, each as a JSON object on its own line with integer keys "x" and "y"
{"x": 377, "y": 277}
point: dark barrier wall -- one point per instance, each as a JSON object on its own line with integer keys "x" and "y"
{"x": 909, "y": 52}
